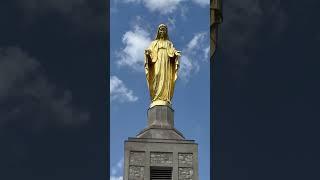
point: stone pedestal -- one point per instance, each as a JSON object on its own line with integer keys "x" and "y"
{"x": 160, "y": 117}
{"x": 160, "y": 151}
{"x": 160, "y": 124}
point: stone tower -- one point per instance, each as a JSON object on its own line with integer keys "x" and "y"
{"x": 160, "y": 152}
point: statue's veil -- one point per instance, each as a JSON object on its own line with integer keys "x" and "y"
{"x": 167, "y": 33}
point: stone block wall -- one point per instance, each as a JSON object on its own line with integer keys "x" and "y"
{"x": 141, "y": 157}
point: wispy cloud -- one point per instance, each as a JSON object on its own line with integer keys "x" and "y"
{"x": 166, "y": 6}
{"x": 117, "y": 169}
{"x": 187, "y": 68}
{"x": 172, "y": 23}
{"x": 194, "y": 44}
{"x": 135, "y": 42}
{"x": 206, "y": 52}
{"x": 120, "y": 164}
{"x": 163, "y": 6}
{"x": 194, "y": 51}
{"x": 202, "y": 3}
{"x": 119, "y": 92}
{"x": 116, "y": 178}
{"x": 183, "y": 12}
{"x": 31, "y": 96}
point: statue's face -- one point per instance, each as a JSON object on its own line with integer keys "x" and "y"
{"x": 162, "y": 32}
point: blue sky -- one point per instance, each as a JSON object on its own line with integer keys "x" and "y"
{"x": 133, "y": 27}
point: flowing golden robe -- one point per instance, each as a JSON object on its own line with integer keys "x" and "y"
{"x": 161, "y": 67}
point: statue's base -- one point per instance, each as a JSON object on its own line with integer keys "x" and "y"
{"x": 160, "y": 124}
{"x": 160, "y": 103}
{"x": 160, "y": 159}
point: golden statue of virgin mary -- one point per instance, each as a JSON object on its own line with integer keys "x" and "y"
{"x": 161, "y": 67}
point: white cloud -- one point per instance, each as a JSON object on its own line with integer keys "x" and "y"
{"x": 195, "y": 41}
{"x": 132, "y": 55}
{"x": 113, "y": 171}
{"x": 117, "y": 169}
{"x": 206, "y": 52}
{"x": 183, "y": 12}
{"x": 187, "y": 67}
{"x": 166, "y": 6}
{"x": 163, "y": 6}
{"x": 202, "y": 2}
{"x": 172, "y": 23}
{"x": 120, "y": 163}
{"x": 116, "y": 178}
{"x": 193, "y": 52}
{"x": 119, "y": 92}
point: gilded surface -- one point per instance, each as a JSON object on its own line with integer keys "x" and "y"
{"x": 161, "y": 67}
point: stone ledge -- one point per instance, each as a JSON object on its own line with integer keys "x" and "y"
{"x": 160, "y": 133}
{"x": 168, "y": 141}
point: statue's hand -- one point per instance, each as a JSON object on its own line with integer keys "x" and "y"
{"x": 147, "y": 52}
{"x": 178, "y": 53}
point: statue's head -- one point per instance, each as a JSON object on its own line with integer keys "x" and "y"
{"x": 162, "y": 32}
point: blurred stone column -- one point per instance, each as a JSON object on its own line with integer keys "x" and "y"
{"x": 215, "y": 20}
